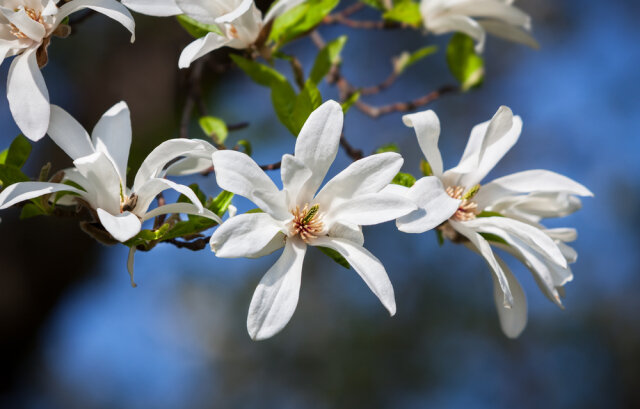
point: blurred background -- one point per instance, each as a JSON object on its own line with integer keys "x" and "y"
{"x": 74, "y": 334}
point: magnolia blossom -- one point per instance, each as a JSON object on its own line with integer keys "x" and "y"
{"x": 100, "y": 166}
{"x": 239, "y": 22}
{"x": 498, "y": 17}
{"x": 504, "y": 212}
{"x": 26, "y": 28}
{"x": 296, "y": 217}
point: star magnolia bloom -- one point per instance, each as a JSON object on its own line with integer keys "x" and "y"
{"x": 296, "y": 217}
{"x": 239, "y": 21}
{"x": 498, "y": 17}
{"x": 26, "y": 27}
{"x": 508, "y": 208}
{"x": 100, "y": 165}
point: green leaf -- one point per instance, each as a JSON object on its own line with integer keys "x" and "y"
{"x": 10, "y": 175}
{"x": 195, "y": 28}
{"x": 256, "y": 210}
{"x": 19, "y": 152}
{"x": 220, "y": 204}
{"x": 390, "y": 147}
{"x": 376, "y": 4}
{"x": 283, "y": 96}
{"x": 404, "y": 179}
{"x": 3, "y": 156}
{"x": 335, "y": 256}
{"x": 465, "y": 65}
{"x": 440, "y": 237}
{"x": 494, "y": 238}
{"x": 215, "y": 128}
{"x": 196, "y": 189}
{"x": 300, "y": 20}
{"x": 489, "y": 214}
{"x": 259, "y": 73}
{"x": 348, "y": 103}
{"x": 327, "y": 57}
{"x": 405, "y": 11}
{"x": 305, "y": 103}
{"x": 406, "y": 59}
{"x": 31, "y": 210}
{"x": 246, "y": 145}
{"x": 425, "y": 168}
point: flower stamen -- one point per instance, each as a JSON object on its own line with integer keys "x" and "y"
{"x": 468, "y": 209}
{"x": 33, "y": 15}
{"x": 307, "y": 223}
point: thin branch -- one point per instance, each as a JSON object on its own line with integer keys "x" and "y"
{"x": 376, "y": 111}
{"x": 353, "y": 153}
{"x": 272, "y": 166}
{"x": 237, "y": 127}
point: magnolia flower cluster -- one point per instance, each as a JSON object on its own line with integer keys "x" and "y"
{"x": 505, "y": 213}
{"x": 305, "y": 213}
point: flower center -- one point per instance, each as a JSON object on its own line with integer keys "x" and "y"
{"x": 306, "y": 222}
{"x": 33, "y": 15}
{"x": 468, "y": 209}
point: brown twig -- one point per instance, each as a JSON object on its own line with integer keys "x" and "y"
{"x": 376, "y": 111}
{"x": 272, "y": 166}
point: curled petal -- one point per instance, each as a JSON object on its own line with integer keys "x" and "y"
{"x": 122, "y": 226}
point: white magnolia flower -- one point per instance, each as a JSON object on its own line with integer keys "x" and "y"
{"x": 26, "y": 27}
{"x": 476, "y": 17}
{"x": 296, "y": 217}
{"x": 239, "y": 21}
{"x": 100, "y": 166}
{"x": 505, "y": 212}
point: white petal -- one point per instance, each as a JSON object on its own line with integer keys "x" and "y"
{"x": 167, "y": 151}
{"x": 184, "y": 208}
{"x": 530, "y": 181}
{"x": 427, "y": 127}
{"x": 368, "y": 175}
{"x": 294, "y": 174}
{"x": 28, "y": 96}
{"x": 456, "y": 22}
{"x": 200, "y": 47}
{"x": 109, "y": 8}
{"x": 317, "y": 144}
{"x": 158, "y": 8}
{"x": 19, "y": 18}
{"x": 530, "y": 235}
{"x": 435, "y": 206}
{"x": 104, "y": 182}
{"x": 564, "y": 234}
{"x": 514, "y": 319}
{"x": 366, "y": 265}
{"x": 148, "y": 192}
{"x": 276, "y": 296}
{"x": 510, "y": 33}
{"x": 370, "y": 209}
{"x": 189, "y": 166}
{"x": 492, "y": 9}
{"x": 68, "y": 134}
{"x": 488, "y": 143}
{"x": 348, "y": 231}
{"x": 484, "y": 248}
{"x": 112, "y": 136}
{"x": 122, "y": 227}
{"x": 239, "y": 174}
{"x": 281, "y": 7}
{"x": 19, "y": 192}
{"x": 246, "y": 235}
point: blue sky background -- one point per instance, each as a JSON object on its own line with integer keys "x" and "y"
{"x": 179, "y": 339}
